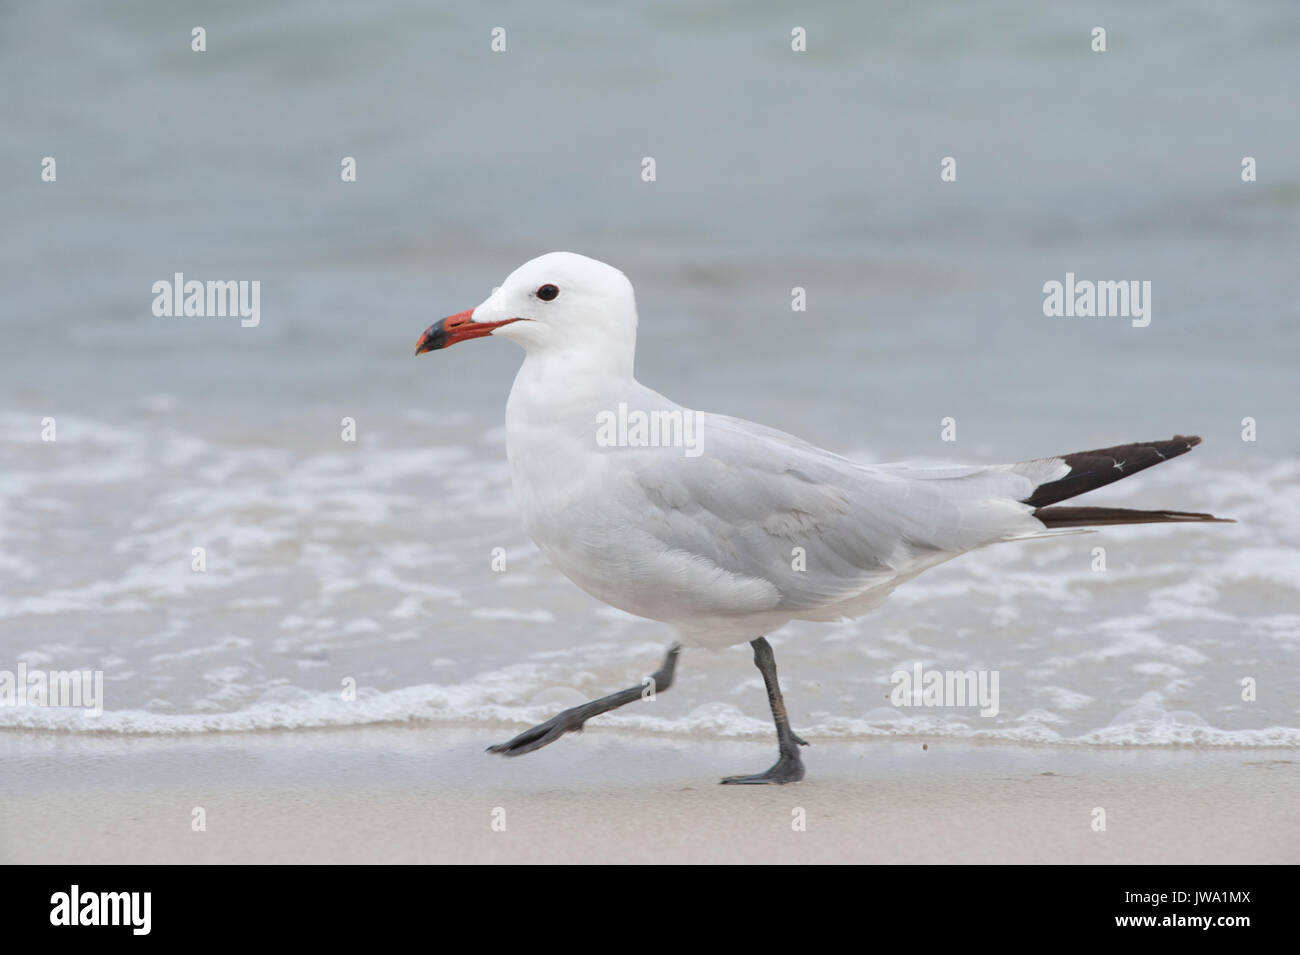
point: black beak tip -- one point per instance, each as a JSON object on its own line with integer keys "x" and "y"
{"x": 433, "y": 339}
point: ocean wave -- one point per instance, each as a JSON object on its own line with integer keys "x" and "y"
{"x": 471, "y": 704}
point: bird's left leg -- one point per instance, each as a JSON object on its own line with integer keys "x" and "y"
{"x": 571, "y": 720}
{"x": 789, "y": 767}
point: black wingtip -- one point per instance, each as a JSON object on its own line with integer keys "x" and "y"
{"x": 1090, "y": 470}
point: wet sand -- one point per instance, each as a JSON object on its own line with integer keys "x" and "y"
{"x": 429, "y": 794}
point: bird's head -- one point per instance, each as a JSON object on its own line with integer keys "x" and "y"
{"x": 558, "y": 302}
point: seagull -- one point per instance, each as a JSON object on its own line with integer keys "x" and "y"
{"x": 721, "y": 528}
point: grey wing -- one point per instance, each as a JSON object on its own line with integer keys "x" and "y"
{"x": 761, "y": 505}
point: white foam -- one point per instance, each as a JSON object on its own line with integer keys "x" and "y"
{"x": 290, "y": 708}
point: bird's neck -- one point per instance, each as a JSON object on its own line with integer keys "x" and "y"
{"x": 603, "y": 368}
{"x": 552, "y": 383}
{"x": 557, "y": 396}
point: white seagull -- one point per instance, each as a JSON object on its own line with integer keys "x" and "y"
{"x": 722, "y": 528}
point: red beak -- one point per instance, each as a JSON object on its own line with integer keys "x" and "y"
{"x": 455, "y": 328}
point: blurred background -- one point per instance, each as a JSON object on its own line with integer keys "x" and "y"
{"x": 774, "y": 169}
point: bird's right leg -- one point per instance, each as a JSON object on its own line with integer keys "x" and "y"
{"x": 789, "y": 766}
{"x": 571, "y": 720}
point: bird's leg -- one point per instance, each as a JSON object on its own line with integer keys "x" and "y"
{"x": 789, "y": 767}
{"x": 571, "y": 720}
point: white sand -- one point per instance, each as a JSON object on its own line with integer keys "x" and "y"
{"x": 428, "y": 794}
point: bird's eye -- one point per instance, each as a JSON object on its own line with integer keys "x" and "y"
{"x": 547, "y": 293}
